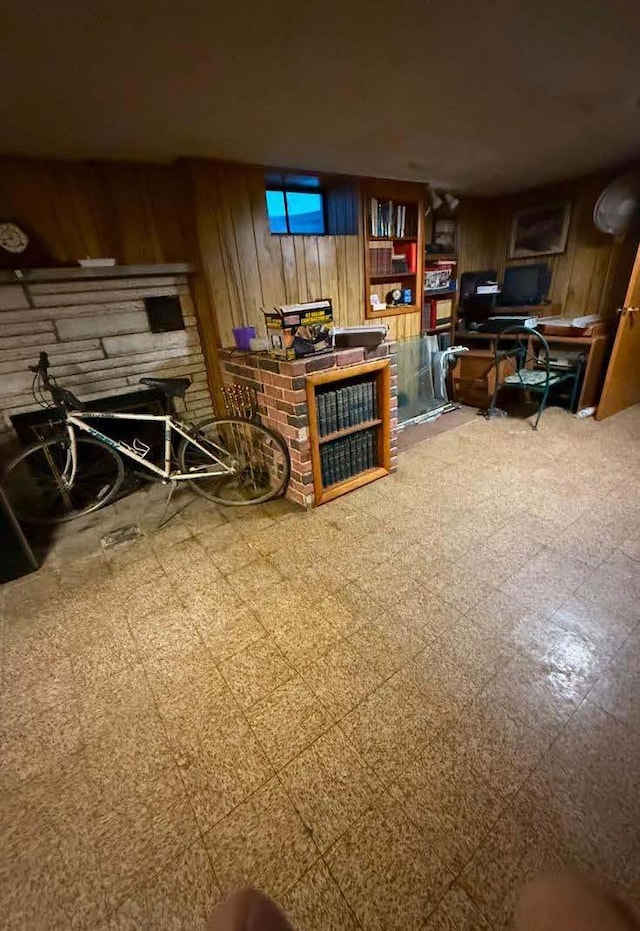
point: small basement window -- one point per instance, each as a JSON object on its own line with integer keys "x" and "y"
{"x": 295, "y": 204}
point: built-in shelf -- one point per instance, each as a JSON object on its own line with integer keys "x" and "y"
{"x": 356, "y": 428}
{"x": 440, "y": 257}
{"x": 440, "y": 293}
{"x": 393, "y": 238}
{"x": 392, "y": 276}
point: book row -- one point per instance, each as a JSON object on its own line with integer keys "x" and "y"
{"x": 341, "y": 459}
{"x": 346, "y": 407}
{"x": 394, "y": 220}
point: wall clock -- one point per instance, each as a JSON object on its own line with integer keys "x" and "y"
{"x": 19, "y": 248}
{"x": 12, "y": 237}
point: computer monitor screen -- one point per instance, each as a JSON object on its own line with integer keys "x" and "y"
{"x": 525, "y": 284}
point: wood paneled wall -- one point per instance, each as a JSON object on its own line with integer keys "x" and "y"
{"x": 214, "y": 214}
{"x": 590, "y": 276}
{"x": 249, "y": 269}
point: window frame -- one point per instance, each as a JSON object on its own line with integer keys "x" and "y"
{"x": 284, "y": 189}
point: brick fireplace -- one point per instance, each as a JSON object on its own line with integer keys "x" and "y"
{"x": 280, "y": 387}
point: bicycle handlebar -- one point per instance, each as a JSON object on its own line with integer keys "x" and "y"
{"x": 42, "y": 366}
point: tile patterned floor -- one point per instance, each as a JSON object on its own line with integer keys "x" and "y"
{"x": 387, "y": 713}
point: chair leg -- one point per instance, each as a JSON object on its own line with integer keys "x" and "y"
{"x": 492, "y": 406}
{"x": 543, "y": 404}
{"x": 574, "y": 392}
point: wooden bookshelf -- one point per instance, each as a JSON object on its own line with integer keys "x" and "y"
{"x": 378, "y": 373}
{"x": 393, "y": 213}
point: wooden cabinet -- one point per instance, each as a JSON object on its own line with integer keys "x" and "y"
{"x": 358, "y": 450}
{"x": 394, "y": 246}
{"x": 474, "y": 378}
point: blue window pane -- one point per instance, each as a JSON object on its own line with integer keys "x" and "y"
{"x": 305, "y": 212}
{"x": 276, "y": 212}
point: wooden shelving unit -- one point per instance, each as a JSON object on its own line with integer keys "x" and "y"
{"x": 400, "y": 213}
{"x": 431, "y": 261}
{"x": 377, "y": 372}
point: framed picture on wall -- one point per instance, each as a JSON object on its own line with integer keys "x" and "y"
{"x": 540, "y": 230}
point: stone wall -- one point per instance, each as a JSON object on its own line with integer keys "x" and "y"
{"x": 282, "y": 401}
{"x": 97, "y": 336}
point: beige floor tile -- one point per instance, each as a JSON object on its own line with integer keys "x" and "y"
{"x": 391, "y": 727}
{"x": 479, "y": 654}
{"x": 341, "y": 678}
{"x": 451, "y": 805}
{"x": 262, "y": 843}
{"x": 330, "y": 786}
{"x": 254, "y": 577}
{"x": 307, "y": 637}
{"x": 386, "y": 871}
{"x": 574, "y": 661}
{"x": 456, "y": 912}
{"x": 137, "y": 839}
{"x": 617, "y": 689}
{"x": 48, "y": 867}
{"x": 547, "y": 580}
{"x": 234, "y": 557}
{"x": 256, "y": 671}
{"x": 219, "y": 537}
{"x": 316, "y": 904}
{"x": 501, "y": 748}
{"x": 226, "y": 636}
{"x": 387, "y": 646}
{"x": 523, "y": 843}
{"x": 610, "y": 588}
{"x": 349, "y": 609}
{"x": 606, "y": 750}
{"x": 221, "y": 769}
{"x": 184, "y": 894}
{"x": 288, "y": 720}
{"x": 605, "y": 629}
{"x": 423, "y": 611}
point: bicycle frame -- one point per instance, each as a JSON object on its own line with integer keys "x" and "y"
{"x": 77, "y": 420}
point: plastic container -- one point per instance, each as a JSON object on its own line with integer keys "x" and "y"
{"x": 243, "y": 336}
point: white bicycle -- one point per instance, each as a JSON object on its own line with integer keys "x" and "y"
{"x": 80, "y": 468}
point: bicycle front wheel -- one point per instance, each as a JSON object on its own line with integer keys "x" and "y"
{"x": 36, "y": 481}
{"x": 258, "y": 457}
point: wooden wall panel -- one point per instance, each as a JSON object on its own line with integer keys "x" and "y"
{"x": 588, "y": 277}
{"x": 249, "y": 269}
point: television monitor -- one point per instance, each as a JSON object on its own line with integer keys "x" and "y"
{"x": 525, "y": 284}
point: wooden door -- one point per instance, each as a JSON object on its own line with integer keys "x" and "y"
{"x": 621, "y": 386}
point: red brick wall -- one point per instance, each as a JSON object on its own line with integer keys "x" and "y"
{"x": 282, "y": 401}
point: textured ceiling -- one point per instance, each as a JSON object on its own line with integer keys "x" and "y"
{"x": 478, "y": 97}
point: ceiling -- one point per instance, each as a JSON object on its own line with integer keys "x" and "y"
{"x": 475, "y": 97}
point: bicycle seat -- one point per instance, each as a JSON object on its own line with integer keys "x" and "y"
{"x": 172, "y": 387}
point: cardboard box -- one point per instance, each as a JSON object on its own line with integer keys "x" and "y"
{"x": 296, "y": 330}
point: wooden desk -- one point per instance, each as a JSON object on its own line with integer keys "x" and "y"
{"x": 594, "y": 347}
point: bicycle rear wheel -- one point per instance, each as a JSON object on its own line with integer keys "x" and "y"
{"x": 258, "y": 456}
{"x": 38, "y": 493}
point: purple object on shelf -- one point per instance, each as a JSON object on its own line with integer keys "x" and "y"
{"x": 243, "y": 335}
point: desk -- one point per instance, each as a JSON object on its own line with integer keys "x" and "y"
{"x": 594, "y": 348}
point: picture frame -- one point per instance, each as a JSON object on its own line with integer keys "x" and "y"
{"x": 445, "y": 233}
{"x": 540, "y": 230}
